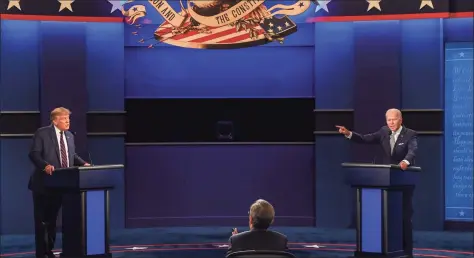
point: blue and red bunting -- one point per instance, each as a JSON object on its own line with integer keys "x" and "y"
{"x": 352, "y": 10}
{"x": 324, "y": 8}
{"x": 390, "y": 7}
{"x": 78, "y": 8}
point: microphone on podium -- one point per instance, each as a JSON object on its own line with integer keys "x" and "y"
{"x": 90, "y": 159}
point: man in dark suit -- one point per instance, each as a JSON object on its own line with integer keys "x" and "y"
{"x": 399, "y": 147}
{"x": 53, "y": 147}
{"x": 261, "y": 216}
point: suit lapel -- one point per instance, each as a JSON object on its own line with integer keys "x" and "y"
{"x": 400, "y": 137}
{"x": 54, "y": 138}
{"x": 386, "y": 144}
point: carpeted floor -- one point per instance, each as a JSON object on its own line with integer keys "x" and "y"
{"x": 210, "y": 242}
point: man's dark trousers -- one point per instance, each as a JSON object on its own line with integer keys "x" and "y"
{"x": 46, "y": 210}
{"x": 407, "y": 217}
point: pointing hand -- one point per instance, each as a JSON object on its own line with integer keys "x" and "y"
{"x": 343, "y": 130}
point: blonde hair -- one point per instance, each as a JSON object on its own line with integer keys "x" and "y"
{"x": 59, "y": 111}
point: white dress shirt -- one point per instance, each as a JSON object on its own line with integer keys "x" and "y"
{"x": 396, "y": 133}
{"x": 58, "y": 136}
{"x": 395, "y": 137}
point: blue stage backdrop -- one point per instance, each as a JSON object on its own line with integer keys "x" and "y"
{"x": 20, "y": 53}
{"x": 459, "y": 131}
{"x": 193, "y": 173}
{"x": 215, "y": 185}
{"x": 415, "y": 52}
{"x": 414, "y": 59}
{"x": 44, "y": 65}
{"x": 177, "y": 73}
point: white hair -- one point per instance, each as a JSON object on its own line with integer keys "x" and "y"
{"x": 394, "y": 110}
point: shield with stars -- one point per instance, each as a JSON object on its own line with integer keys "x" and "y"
{"x": 221, "y": 24}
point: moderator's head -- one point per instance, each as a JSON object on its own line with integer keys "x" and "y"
{"x": 261, "y": 215}
{"x": 394, "y": 119}
{"x": 60, "y": 118}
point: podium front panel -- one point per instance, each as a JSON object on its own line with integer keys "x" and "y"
{"x": 393, "y": 205}
{"x": 381, "y": 220}
{"x": 102, "y": 178}
{"x": 371, "y": 220}
{"x": 96, "y": 211}
{"x": 76, "y": 178}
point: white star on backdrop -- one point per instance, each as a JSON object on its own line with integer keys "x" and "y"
{"x": 374, "y": 4}
{"x": 14, "y": 3}
{"x": 461, "y": 213}
{"x": 426, "y": 3}
{"x": 322, "y": 4}
{"x": 116, "y": 5}
{"x": 461, "y": 54}
{"x": 65, "y": 4}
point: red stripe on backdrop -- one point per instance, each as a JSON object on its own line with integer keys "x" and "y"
{"x": 379, "y": 17}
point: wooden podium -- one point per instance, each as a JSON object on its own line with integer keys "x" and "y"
{"x": 85, "y": 208}
{"x": 382, "y": 194}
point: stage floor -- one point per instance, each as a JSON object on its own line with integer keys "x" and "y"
{"x": 211, "y": 242}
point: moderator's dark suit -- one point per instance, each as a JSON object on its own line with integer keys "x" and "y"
{"x": 257, "y": 239}
{"x": 45, "y": 151}
{"x": 404, "y": 149}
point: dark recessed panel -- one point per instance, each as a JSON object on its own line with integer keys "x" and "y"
{"x": 219, "y": 120}
{"x": 464, "y": 226}
{"x": 460, "y": 6}
{"x": 425, "y": 121}
{"x": 104, "y": 123}
{"x": 326, "y": 120}
{"x": 17, "y": 123}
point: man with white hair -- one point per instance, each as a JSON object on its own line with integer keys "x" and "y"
{"x": 399, "y": 143}
{"x": 399, "y": 147}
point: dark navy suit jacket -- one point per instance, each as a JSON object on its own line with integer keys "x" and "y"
{"x": 405, "y": 146}
{"x": 256, "y": 239}
{"x": 45, "y": 151}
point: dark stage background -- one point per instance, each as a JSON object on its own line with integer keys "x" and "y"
{"x": 191, "y": 161}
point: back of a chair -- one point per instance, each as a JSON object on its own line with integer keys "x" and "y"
{"x": 260, "y": 254}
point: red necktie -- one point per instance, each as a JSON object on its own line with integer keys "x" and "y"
{"x": 63, "y": 151}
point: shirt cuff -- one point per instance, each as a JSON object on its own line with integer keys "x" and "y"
{"x": 349, "y": 136}
{"x": 406, "y": 161}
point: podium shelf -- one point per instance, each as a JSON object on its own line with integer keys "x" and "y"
{"x": 371, "y": 165}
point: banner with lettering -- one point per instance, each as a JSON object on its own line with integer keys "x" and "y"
{"x": 459, "y": 131}
{"x": 216, "y": 24}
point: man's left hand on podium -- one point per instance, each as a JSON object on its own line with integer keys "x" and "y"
{"x": 87, "y": 165}
{"x": 403, "y": 165}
